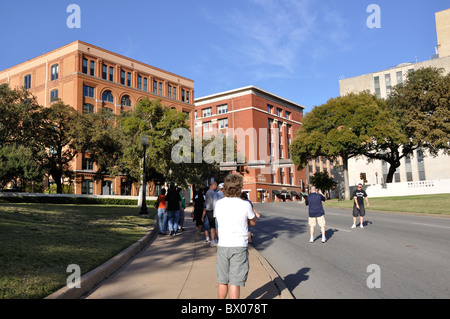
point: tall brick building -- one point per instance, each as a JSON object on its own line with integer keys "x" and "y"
{"x": 90, "y": 78}
{"x": 267, "y": 124}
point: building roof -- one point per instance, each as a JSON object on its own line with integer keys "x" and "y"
{"x": 251, "y": 89}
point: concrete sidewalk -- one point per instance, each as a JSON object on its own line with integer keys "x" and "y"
{"x": 183, "y": 267}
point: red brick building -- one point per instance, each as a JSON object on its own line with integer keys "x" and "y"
{"x": 90, "y": 78}
{"x": 267, "y": 124}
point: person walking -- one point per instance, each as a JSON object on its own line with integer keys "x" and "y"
{"x": 173, "y": 207}
{"x": 162, "y": 214}
{"x": 234, "y": 216}
{"x": 316, "y": 212}
{"x": 209, "y": 211}
{"x": 199, "y": 201}
{"x": 358, "y": 205}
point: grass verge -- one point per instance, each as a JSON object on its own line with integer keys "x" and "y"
{"x": 39, "y": 241}
{"x": 422, "y": 204}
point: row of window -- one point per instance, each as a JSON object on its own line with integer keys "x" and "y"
{"x": 107, "y": 96}
{"x": 223, "y": 109}
{"x": 88, "y": 68}
{"x": 388, "y": 82}
{"x": 54, "y": 75}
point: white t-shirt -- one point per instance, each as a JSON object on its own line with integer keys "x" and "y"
{"x": 232, "y": 215}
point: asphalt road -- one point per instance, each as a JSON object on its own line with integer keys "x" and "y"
{"x": 411, "y": 253}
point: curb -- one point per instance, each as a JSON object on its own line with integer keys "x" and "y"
{"x": 95, "y": 276}
{"x": 283, "y": 291}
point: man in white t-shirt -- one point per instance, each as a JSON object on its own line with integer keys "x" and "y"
{"x": 233, "y": 215}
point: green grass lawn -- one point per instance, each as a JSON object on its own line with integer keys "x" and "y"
{"x": 423, "y": 204}
{"x": 39, "y": 241}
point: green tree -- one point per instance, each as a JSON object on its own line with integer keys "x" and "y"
{"x": 157, "y": 122}
{"x": 416, "y": 116}
{"x": 20, "y": 127}
{"x": 342, "y": 127}
{"x": 64, "y": 135}
{"x": 322, "y": 181}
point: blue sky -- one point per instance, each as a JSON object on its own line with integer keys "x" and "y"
{"x": 296, "y": 49}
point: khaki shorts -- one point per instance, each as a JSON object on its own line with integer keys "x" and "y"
{"x": 313, "y": 221}
{"x": 232, "y": 265}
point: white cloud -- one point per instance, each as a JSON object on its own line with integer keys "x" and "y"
{"x": 279, "y": 36}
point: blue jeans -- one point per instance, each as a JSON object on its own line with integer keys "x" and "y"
{"x": 162, "y": 221}
{"x": 173, "y": 216}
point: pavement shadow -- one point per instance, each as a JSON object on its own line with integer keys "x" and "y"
{"x": 266, "y": 291}
{"x": 293, "y": 280}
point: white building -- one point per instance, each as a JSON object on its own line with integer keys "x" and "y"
{"x": 421, "y": 167}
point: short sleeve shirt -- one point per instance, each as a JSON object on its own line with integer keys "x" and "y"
{"x": 360, "y": 195}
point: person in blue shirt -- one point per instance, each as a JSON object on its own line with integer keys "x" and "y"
{"x": 316, "y": 212}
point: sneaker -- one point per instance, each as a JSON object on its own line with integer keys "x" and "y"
{"x": 213, "y": 243}
{"x": 324, "y": 240}
{"x": 206, "y": 241}
{"x": 361, "y": 226}
{"x": 311, "y": 240}
{"x": 171, "y": 233}
{"x": 353, "y": 226}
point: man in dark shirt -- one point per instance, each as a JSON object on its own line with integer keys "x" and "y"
{"x": 173, "y": 208}
{"x": 316, "y": 212}
{"x": 358, "y": 205}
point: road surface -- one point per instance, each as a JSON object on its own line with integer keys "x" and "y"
{"x": 408, "y": 256}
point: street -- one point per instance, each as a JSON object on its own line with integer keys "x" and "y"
{"x": 408, "y": 254}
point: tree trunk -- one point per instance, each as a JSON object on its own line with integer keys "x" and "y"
{"x": 391, "y": 172}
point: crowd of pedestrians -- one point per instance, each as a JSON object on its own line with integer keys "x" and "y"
{"x": 225, "y": 215}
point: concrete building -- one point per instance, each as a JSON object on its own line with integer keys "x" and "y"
{"x": 90, "y": 78}
{"x": 419, "y": 167}
{"x": 264, "y": 125}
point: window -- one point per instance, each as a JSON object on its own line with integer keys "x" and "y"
{"x": 160, "y": 89}
{"x": 145, "y": 84}
{"x": 88, "y": 91}
{"x": 140, "y": 82}
{"x": 387, "y": 78}
{"x": 104, "y": 72}
{"x": 195, "y": 115}
{"x": 172, "y": 92}
{"x": 122, "y": 77}
{"x": 288, "y": 115}
{"x": 92, "y": 68}
{"x": 129, "y": 79}
{"x": 88, "y": 164}
{"x": 87, "y": 187}
{"x": 207, "y": 112}
{"x": 88, "y": 108}
{"x": 223, "y": 123}
{"x": 111, "y": 74}
{"x": 188, "y": 98}
{"x": 55, "y": 72}
{"x": 409, "y": 177}
{"x": 222, "y": 109}
{"x": 54, "y": 96}
{"x": 85, "y": 66}
{"x": 27, "y": 82}
{"x": 420, "y": 165}
{"x": 155, "y": 87}
{"x": 279, "y": 112}
{"x": 108, "y": 97}
{"x": 269, "y": 108}
{"x": 126, "y": 101}
{"x": 183, "y": 95}
{"x": 376, "y": 81}
{"x": 207, "y": 127}
{"x": 399, "y": 77}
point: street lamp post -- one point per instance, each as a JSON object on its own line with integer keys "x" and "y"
{"x": 144, "y": 210}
